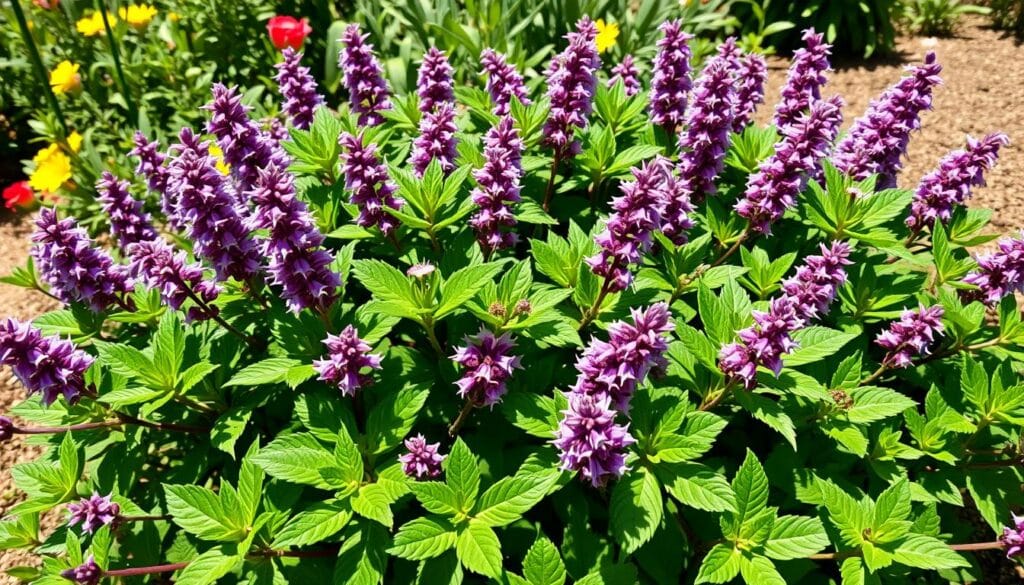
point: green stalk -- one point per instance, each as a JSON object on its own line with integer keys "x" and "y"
{"x": 115, "y": 52}
{"x": 37, "y": 65}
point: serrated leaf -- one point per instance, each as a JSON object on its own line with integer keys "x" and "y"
{"x": 926, "y": 552}
{"x": 794, "y": 537}
{"x": 463, "y": 474}
{"x": 751, "y": 488}
{"x": 268, "y": 371}
{"x": 374, "y": 502}
{"x": 758, "y": 570}
{"x": 463, "y": 285}
{"x": 314, "y": 524}
{"x": 479, "y": 550}
{"x": 300, "y": 458}
{"x": 815, "y": 344}
{"x": 636, "y": 509}
{"x": 873, "y": 403}
{"x": 198, "y": 511}
{"x": 721, "y": 565}
{"x": 543, "y": 565}
{"x": 423, "y": 538}
{"x": 697, "y": 486}
{"x": 509, "y": 498}
{"x": 210, "y": 566}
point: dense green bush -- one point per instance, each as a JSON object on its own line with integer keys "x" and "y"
{"x": 856, "y": 27}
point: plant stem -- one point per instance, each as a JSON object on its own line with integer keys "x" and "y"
{"x": 973, "y": 546}
{"x": 428, "y": 325}
{"x": 37, "y": 65}
{"x": 732, "y": 250}
{"x": 461, "y": 419}
{"x": 252, "y": 341}
{"x": 115, "y": 53}
{"x": 123, "y": 419}
{"x": 590, "y": 314}
{"x": 875, "y": 375}
{"x": 709, "y": 404}
{"x": 143, "y": 518}
{"x": 549, "y": 191}
{"x": 134, "y": 571}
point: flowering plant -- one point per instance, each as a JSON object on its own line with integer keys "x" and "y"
{"x": 423, "y": 339}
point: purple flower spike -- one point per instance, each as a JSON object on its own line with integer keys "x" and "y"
{"x": 816, "y": 282}
{"x": 750, "y": 80}
{"x": 247, "y": 149}
{"x": 503, "y": 82}
{"x": 627, "y": 73}
{"x": 999, "y": 273}
{"x": 128, "y": 222}
{"x": 50, "y": 366}
{"x": 671, "y": 81}
{"x": 498, "y": 186}
{"x": 783, "y": 175}
{"x": 677, "y": 205}
{"x": 347, "y": 356}
{"x": 151, "y": 166}
{"x": 764, "y": 343}
{"x": 1012, "y": 538}
{"x": 877, "y": 140}
{"x": 703, "y": 145}
{"x": 436, "y": 140}
{"x": 162, "y": 267}
{"x": 74, "y": 267}
{"x": 93, "y": 512}
{"x": 88, "y": 573}
{"x": 7, "y": 429}
{"x": 910, "y": 336}
{"x": 488, "y": 364}
{"x": 590, "y": 442}
{"x": 422, "y": 461}
{"x": 948, "y": 186}
{"x": 627, "y": 232}
{"x": 804, "y": 81}
{"x": 366, "y": 177}
{"x": 298, "y": 88}
{"x": 731, "y": 54}
{"x": 364, "y": 77}
{"x": 572, "y": 84}
{"x": 434, "y": 84}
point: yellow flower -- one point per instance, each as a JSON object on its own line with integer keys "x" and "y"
{"x": 75, "y": 141}
{"x": 173, "y": 16}
{"x": 91, "y": 26}
{"x": 218, "y": 155}
{"x": 53, "y": 168}
{"x": 137, "y": 15}
{"x": 65, "y": 78}
{"x": 606, "y": 35}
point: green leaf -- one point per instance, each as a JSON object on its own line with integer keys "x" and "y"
{"x": 795, "y": 537}
{"x": 169, "y": 347}
{"x": 816, "y": 343}
{"x": 436, "y": 497}
{"x": 758, "y": 570}
{"x": 423, "y": 538}
{"x": 509, "y": 498}
{"x": 537, "y": 415}
{"x": 463, "y": 285}
{"x": 715, "y": 316}
{"x": 385, "y": 282}
{"x": 374, "y": 502}
{"x": 463, "y": 474}
{"x": 250, "y": 485}
{"x": 769, "y": 412}
{"x": 873, "y": 403}
{"x": 314, "y": 524}
{"x": 390, "y": 421}
{"x": 697, "y": 486}
{"x": 349, "y": 459}
{"x": 210, "y": 566}
{"x": 751, "y": 488}
{"x": 721, "y": 565}
{"x": 636, "y": 509}
{"x": 128, "y": 361}
{"x": 71, "y": 463}
{"x": 362, "y": 558}
{"x": 199, "y": 511}
{"x": 543, "y": 565}
{"x": 926, "y": 552}
{"x": 300, "y": 458}
{"x": 479, "y": 550}
{"x": 268, "y": 371}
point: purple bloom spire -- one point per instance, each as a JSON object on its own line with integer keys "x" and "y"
{"x": 488, "y": 364}
{"x": 948, "y": 186}
{"x": 572, "y": 84}
{"x": 295, "y": 260}
{"x": 780, "y": 178}
{"x": 151, "y": 166}
{"x": 910, "y": 336}
{"x": 503, "y": 82}
{"x": 498, "y": 186}
{"x": 731, "y": 54}
{"x": 671, "y": 81}
{"x": 128, "y": 222}
{"x": 614, "y": 368}
{"x": 422, "y": 461}
{"x": 627, "y": 73}
{"x": 366, "y": 177}
{"x": 7, "y": 429}
{"x": 627, "y": 232}
{"x": 750, "y": 80}
{"x": 878, "y": 139}
{"x": 804, "y": 81}
{"x": 589, "y": 441}
{"x": 703, "y": 145}
{"x": 763, "y": 343}
{"x": 677, "y": 205}
{"x": 246, "y": 148}
{"x": 364, "y": 77}
{"x": 88, "y": 573}
{"x": 816, "y": 282}
{"x": 93, "y": 512}
{"x": 434, "y": 83}
{"x": 50, "y": 365}
{"x": 209, "y": 212}
{"x": 162, "y": 267}
{"x": 1012, "y": 538}
{"x": 347, "y": 357}
{"x": 74, "y": 267}
{"x": 298, "y": 88}
{"x": 436, "y": 140}
{"x": 999, "y": 273}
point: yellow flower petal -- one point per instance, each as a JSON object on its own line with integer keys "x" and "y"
{"x": 75, "y": 141}
{"x": 53, "y": 168}
{"x": 91, "y": 26}
{"x": 65, "y": 78}
{"x": 137, "y": 15}
{"x": 606, "y": 35}
{"x": 218, "y": 155}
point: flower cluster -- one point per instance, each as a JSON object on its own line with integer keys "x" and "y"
{"x": 671, "y": 81}
{"x": 676, "y": 205}
{"x": 434, "y": 82}
{"x": 488, "y": 364}
{"x": 750, "y": 79}
{"x": 347, "y": 357}
{"x": 503, "y": 82}
{"x": 160, "y": 266}
{"x": 703, "y": 145}
{"x": 436, "y": 140}
{"x": 50, "y": 366}
{"x": 366, "y": 177}
{"x": 498, "y": 186}
{"x": 804, "y": 81}
{"x": 151, "y": 166}
{"x": 246, "y": 148}
{"x": 93, "y": 512}
{"x": 910, "y": 336}
{"x": 572, "y": 84}
{"x": 298, "y": 88}
{"x": 999, "y": 273}
{"x": 422, "y": 460}
{"x": 88, "y": 573}
{"x": 128, "y": 222}
{"x": 364, "y": 78}
{"x": 816, "y": 282}
{"x": 1012, "y": 537}
{"x": 7, "y": 429}
{"x": 589, "y": 440}
{"x": 627, "y": 73}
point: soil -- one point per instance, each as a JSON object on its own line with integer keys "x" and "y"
{"x": 983, "y": 77}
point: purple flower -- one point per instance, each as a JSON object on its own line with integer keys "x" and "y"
{"x": 763, "y": 343}
{"x": 572, "y": 84}
{"x": 615, "y": 367}
{"x": 295, "y": 260}
{"x": 247, "y": 149}
{"x": 782, "y": 176}
{"x": 589, "y": 441}
{"x": 347, "y": 356}
{"x": 162, "y": 267}
{"x": 750, "y": 80}
{"x": 730, "y": 53}
{"x": 422, "y": 461}
{"x": 298, "y": 88}
{"x": 503, "y": 82}
{"x": 364, "y": 78}
{"x": 1012, "y": 538}
{"x": 497, "y": 186}
{"x": 627, "y": 73}
{"x": 816, "y": 282}
{"x": 436, "y": 140}
{"x": 804, "y": 81}
{"x": 366, "y": 177}
{"x": 998, "y": 273}
{"x": 703, "y": 145}
{"x": 878, "y": 139}
{"x": 676, "y": 205}
{"x": 434, "y": 82}
{"x": 50, "y": 365}
{"x": 671, "y": 81}
{"x": 74, "y": 266}
{"x": 487, "y": 364}
{"x": 151, "y": 166}
{"x": 7, "y": 429}
{"x": 88, "y": 573}
{"x": 950, "y": 185}
{"x": 627, "y": 232}
{"x": 910, "y": 336}
{"x": 93, "y": 512}
{"x": 128, "y": 222}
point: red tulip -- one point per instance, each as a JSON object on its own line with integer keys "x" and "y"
{"x": 18, "y": 195}
{"x": 288, "y": 31}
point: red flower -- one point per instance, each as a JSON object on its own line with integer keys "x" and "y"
{"x": 18, "y": 195}
{"x": 288, "y": 31}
